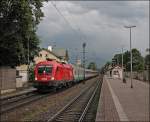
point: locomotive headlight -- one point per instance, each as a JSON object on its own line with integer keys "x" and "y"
{"x": 52, "y": 78}
{"x": 35, "y": 78}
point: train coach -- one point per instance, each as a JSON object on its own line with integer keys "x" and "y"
{"x": 78, "y": 73}
{"x": 53, "y": 74}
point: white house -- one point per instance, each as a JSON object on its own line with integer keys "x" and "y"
{"x": 117, "y": 72}
{"x": 21, "y": 76}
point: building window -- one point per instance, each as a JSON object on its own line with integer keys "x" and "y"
{"x": 46, "y": 55}
{"x": 40, "y": 55}
{"x": 17, "y": 72}
{"x": 116, "y": 73}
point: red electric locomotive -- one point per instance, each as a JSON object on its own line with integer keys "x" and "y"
{"x": 52, "y": 74}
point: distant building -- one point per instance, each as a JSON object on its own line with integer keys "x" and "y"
{"x": 58, "y": 54}
{"x": 61, "y": 53}
{"x": 21, "y": 75}
{"x": 78, "y": 62}
{"x": 115, "y": 72}
{"x": 45, "y": 54}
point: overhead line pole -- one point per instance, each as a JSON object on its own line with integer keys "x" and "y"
{"x": 130, "y": 53}
{"x": 84, "y": 45}
{"x": 124, "y": 81}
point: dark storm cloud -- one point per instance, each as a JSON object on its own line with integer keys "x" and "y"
{"x": 99, "y": 24}
{"x": 117, "y": 9}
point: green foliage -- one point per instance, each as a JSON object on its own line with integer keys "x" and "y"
{"x": 18, "y": 22}
{"x": 31, "y": 73}
{"x": 118, "y": 58}
{"x": 138, "y": 63}
{"x": 147, "y": 61}
{"x": 92, "y": 65}
{"x": 105, "y": 67}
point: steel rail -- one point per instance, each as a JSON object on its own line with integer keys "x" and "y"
{"x": 28, "y": 99}
{"x": 88, "y": 105}
{"x": 16, "y": 98}
{"x": 71, "y": 103}
{"x": 2, "y": 98}
{"x": 20, "y": 103}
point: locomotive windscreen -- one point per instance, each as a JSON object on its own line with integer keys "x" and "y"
{"x": 47, "y": 69}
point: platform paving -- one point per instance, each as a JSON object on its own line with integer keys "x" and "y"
{"x": 119, "y": 102}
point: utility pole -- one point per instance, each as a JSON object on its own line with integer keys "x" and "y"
{"x": 76, "y": 60}
{"x": 124, "y": 81}
{"x": 84, "y": 45}
{"x": 76, "y": 63}
{"x": 118, "y": 60}
{"x": 130, "y": 53}
{"x": 28, "y": 57}
{"x": 122, "y": 57}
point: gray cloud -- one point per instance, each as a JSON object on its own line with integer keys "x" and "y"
{"x": 100, "y": 24}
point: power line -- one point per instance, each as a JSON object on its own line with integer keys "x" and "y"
{"x": 57, "y": 9}
{"x": 62, "y": 16}
{"x": 83, "y": 35}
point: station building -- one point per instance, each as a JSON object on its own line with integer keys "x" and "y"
{"x": 115, "y": 72}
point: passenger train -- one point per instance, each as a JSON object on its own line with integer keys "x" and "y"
{"x": 53, "y": 74}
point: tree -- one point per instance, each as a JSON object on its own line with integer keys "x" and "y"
{"x": 138, "y": 60}
{"x": 117, "y": 58}
{"x": 138, "y": 63}
{"x": 92, "y": 65}
{"x": 18, "y": 24}
{"x": 147, "y": 61}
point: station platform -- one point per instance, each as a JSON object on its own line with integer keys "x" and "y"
{"x": 119, "y": 102}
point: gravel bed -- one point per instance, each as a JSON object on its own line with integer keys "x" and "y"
{"x": 43, "y": 109}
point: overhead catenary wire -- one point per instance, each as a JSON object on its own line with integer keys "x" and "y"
{"x": 82, "y": 37}
{"x": 60, "y": 13}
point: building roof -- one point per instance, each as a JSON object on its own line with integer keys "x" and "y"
{"x": 50, "y": 52}
{"x": 115, "y": 67}
{"x": 60, "y": 52}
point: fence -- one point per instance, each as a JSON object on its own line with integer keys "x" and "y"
{"x": 142, "y": 75}
{"x": 7, "y": 78}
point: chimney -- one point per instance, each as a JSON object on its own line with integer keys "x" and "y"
{"x": 50, "y": 48}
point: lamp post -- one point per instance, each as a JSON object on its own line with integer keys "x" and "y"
{"x": 130, "y": 53}
{"x": 28, "y": 56}
{"x": 123, "y": 79}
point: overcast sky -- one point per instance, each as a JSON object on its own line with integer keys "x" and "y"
{"x": 100, "y": 24}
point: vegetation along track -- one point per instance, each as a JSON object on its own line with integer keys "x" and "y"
{"x": 77, "y": 108}
{"x": 19, "y": 100}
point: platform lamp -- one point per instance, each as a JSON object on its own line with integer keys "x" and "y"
{"x": 130, "y": 53}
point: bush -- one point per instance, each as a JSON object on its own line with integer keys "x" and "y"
{"x": 31, "y": 73}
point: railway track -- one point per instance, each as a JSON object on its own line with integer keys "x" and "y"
{"x": 15, "y": 98}
{"x": 19, "y": 100}
{"x": 76, "y": 109}
{"x": 12, "y": 103}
